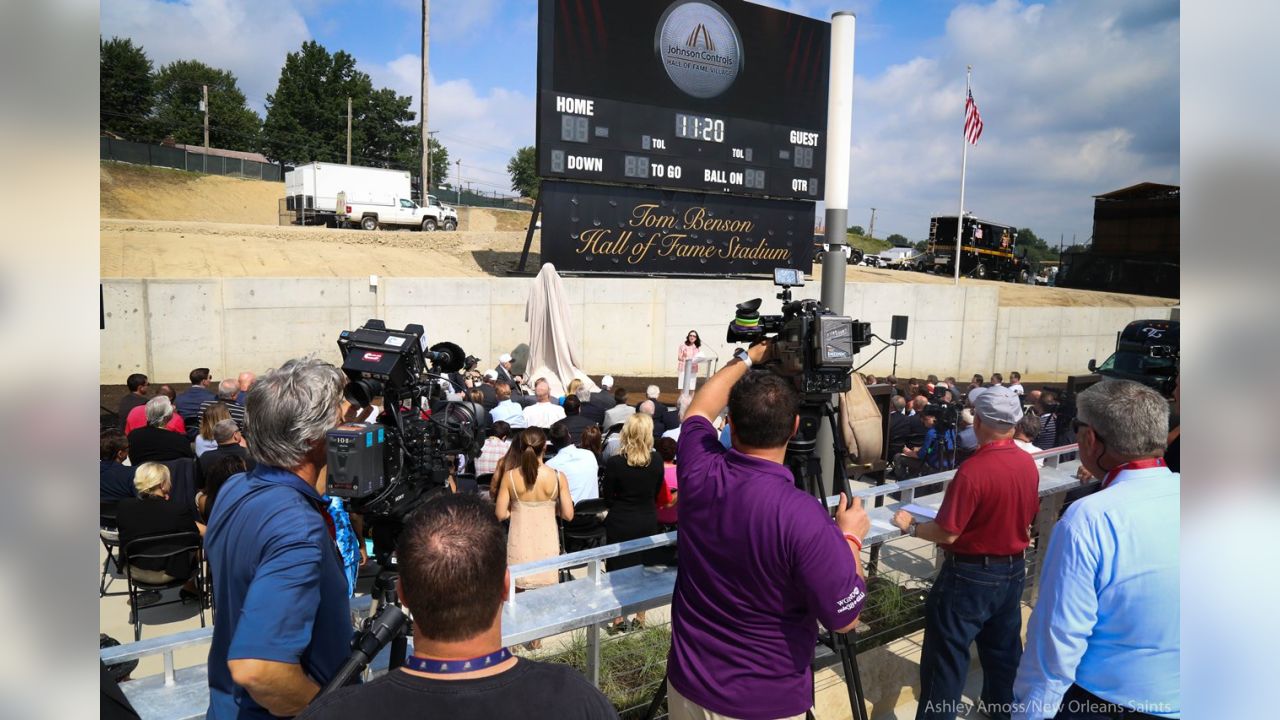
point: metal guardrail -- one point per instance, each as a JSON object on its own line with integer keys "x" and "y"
{"x": 585, "y": 603}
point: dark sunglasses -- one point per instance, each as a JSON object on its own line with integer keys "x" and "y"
{"x": 1077, "y": 423}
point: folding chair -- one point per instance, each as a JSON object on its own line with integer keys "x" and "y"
{"x": 164, "y": 547}
{"x": 109, "y": 534}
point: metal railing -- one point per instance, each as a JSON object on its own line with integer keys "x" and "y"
{"x": 590, "y": 602}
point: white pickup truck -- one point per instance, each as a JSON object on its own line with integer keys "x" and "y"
{"x": 343, "y": 195}
{"x": 402, "y": 213}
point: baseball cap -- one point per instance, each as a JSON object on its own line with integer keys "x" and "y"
{"x": 504, "y": 357}
{"x": 491, "y": 374}
{"x": 606, "y": 381}
{"x": 996, "y": 405}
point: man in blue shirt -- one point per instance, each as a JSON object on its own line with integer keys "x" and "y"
{"x": 1103, "y": 641}
{"x": 283, "y": 625}
{"x": 188, "y": 404}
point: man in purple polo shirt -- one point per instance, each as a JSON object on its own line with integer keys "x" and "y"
{"x": 761, "y": 562}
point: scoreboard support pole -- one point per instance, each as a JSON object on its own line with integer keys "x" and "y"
{"x": 834, "y": 262}
{"x": 528, "y": 236}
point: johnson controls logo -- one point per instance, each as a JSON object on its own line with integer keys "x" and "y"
{"x": 699, "y": 47}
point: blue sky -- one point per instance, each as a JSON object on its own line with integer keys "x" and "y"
{"x": 1078, "y": 97}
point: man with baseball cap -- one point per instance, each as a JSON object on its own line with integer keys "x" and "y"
{"x": 504, "y": 370}
{"x": 983, "y": 527}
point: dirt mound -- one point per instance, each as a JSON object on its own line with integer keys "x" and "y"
{"x": 149, "y": 193}
{"x": 164, "y": 249}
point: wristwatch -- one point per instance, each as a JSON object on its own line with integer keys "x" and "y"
{"x": 911, "y": 529}
{"x": 744, "y": 357}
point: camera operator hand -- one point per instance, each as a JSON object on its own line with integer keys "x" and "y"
{"x": 852, "y": 517}
{"x": 761, "y": 352}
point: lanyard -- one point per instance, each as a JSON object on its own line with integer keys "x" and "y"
{"x": 1134, "y": 465}
{"x": 453, "y": 667}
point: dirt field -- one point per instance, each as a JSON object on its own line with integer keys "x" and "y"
{"x": 147, "y": 193}
{"x": 172, "y": 224}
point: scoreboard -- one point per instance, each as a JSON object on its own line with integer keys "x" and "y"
{"x": 717, "y": 97}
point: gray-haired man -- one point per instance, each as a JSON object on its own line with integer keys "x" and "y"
{"x": 283, "y": 625}
{"x": 227, "y": 391}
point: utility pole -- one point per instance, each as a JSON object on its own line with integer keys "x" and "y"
{"x": 422, "y": 115}
{"x": 457, "y": 182}
{"x": 427, "y": 190}
{"x": 204, "y": 105}
{"x": 348, "y": 130}
{"x": 871, "y": 233}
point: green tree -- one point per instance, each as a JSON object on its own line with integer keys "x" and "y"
{"x": 1037, "y": 250}
{"x": 857, "y": 230}
{"x": 898, "y": 240}
{"x": 232, "y": 125}
{"x": 125, "y": 90}
{"x": 307, "y": 114}
{"x": 410, "y": 157}
{"x": 524, "y": 172}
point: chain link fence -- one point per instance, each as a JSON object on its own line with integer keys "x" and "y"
{"x": 179, "y": 159}
{"x": 481, "y": 198}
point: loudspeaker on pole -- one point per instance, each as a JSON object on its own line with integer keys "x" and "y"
{"x": 898, "y": 331}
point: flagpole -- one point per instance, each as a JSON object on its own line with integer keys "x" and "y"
{"x": 964, "y": 166}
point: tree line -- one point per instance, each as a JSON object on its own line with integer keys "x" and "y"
{"x": 306, "y": 116}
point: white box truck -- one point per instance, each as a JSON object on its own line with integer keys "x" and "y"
{"x": 341, "y": 195}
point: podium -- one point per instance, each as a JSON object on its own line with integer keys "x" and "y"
{"x": 702, "y": 367}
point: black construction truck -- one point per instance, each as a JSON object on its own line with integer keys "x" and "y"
{"x": 1146, "y": 352}
{"x": 987, "y": 250}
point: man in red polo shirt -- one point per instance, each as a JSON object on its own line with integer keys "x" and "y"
{"x": 983, "y": 525}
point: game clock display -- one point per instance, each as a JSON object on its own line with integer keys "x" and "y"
{"x": 725, "y": 97}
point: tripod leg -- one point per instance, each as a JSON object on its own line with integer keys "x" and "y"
{"x": 841, "y": 643}
{"x": 658, "y": 696}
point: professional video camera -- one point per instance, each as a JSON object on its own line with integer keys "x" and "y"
{"x": 813, "y": 345}
{"x": 387, "y": 468}
{"x": 947, "y": 413}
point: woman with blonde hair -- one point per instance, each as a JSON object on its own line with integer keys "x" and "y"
{"x": 153, "y": 513}
{"x": 531, "y": 495}
{"x": 574, "y": 385}
{"x": 632, "y": 483}
{"x": 208, "y": 419}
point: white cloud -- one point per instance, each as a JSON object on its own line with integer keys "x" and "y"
{"x": 1077, "y": 99}
{"x": 482, "y": 128}
{"x": 246, "y": 37}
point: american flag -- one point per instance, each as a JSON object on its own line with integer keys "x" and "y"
{"x": 972, "y": 121}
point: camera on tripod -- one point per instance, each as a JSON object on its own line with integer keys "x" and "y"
{"x": 947, "y": 413}
{"x": 389, "y": 467}
{"x": 813, "y": 345}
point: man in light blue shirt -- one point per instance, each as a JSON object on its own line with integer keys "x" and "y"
{"x": 507, "y": 410}
{"x": 1103, "y": 641}
{"x": 578, "y": 465}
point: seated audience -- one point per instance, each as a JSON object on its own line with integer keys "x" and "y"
{"x": 136, "y": 397}
{"x": 507, "y": 410}
{"x": 620, "y": 410}
{"x": 545, "y": 411}
{"x": 510, "y": 460}
{"x": 574, "y": 386}
{"x": 532, "y": 495}
{"x": 592, "y": 439}
{"x": 967, "y": 438}
{"x": 605, "y": 399}
{"x": 155, "y": 442}
{"x": 1026, "y": 429}
{"x": 230, "y": 443}
{"x": 675, "y": 417}
{"x": 151, "y": 513}
{"x": 115, "y": 479}
{"x": 190, "y": 401}
{"x": 589, "y": 410}
{"x": 578, "y": 465}
{"x": 227, "y": 391}
{"x": 138, "y": 416}
{"x": 997, "y": 379}
{"x": 651, "y": 393}
{"x": 574, "y": 420}
{"x": 486, "y": 389}
{"x": 218, "y": 470}
{"x": 667, "y": 511}
{"x": 243, "y": 383}
{"x": 210, "y": 415}
{"x": 495, "y": 446}
{"x": 454, "y": 580}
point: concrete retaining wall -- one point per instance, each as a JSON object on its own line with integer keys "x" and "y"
{"x": 623, "y": 326}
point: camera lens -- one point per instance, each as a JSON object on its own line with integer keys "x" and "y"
{"x": 362, "y": 392}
